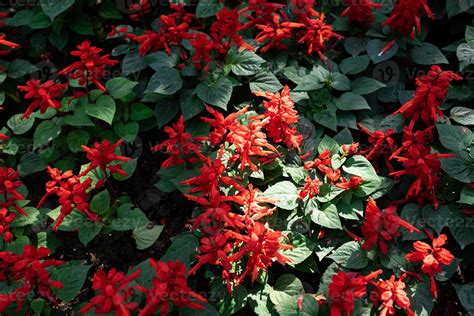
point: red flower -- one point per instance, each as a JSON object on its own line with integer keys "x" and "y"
{"x": 224, "y": 31}
{"x": 261, "y": 246}
{"x": 30, "y": 270}
{"x": 316, "y": 33}
{"x": 353, "y": 183}
{"x": 433, "y": 257}
{"x": 140, "y": 10}
{"x": 251, "y": 200}
{"x": 322, "y": 162}
{"x": 178, "y": 145}
{"x": 220, "y": 124}
{"x": 311, "y": 188}
{"x": 406, "y": 17}
{"x": 275, "y": 32}
{"x": 91, "y": 66}
{"x": 203, "y": 48}
{"x": 6, "y": 219}
{"x": 9, "y": 183}
{"x": 419, "y": 162}
{"x": 391, "y": 293}
{"x": 102, "y": 155}
{"x": 382, "y": 145}
{"x": 44, "y": 94}
{"x": 382, "y": 225}
{"x": 429, "y": 95}
{"x": 4, "y": 42}
{"x": 114, "y": 293}
{"x": 345, "y": 288}
{"x": 250, "y": 141}
{"x": 169, "y": 287}
{"x": 215, "y": 218}
{"x": 361, "y": 11}
{"x": 259, "y": 12}
{"x": 4, "y": 137}
{"x": 282, "y": 114}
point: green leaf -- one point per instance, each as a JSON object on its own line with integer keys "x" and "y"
{"x": 465, "y": 54}
{"x": 285, "y": 194}
{"x": 146, "y": 236}
{"x": 455, "y": 138}
{"x": 20, "y": 126}
{"x": 340, "y": 82}
{"x": 265, "y": 81}
{"x": 44, "y": 133}
{"x": 461, "y": 228}
{"x": 355, "y": 65}
{"x": 467, "y": 196}
{"x": 32, "y": 218}
{"x": 355, "y": 45}
{"x": 359, "y": 166}
{"x": 459, "y": 168}
{"x": 101, "y": 202}
{"x": 159, "y": 60}
{"x": 350, "y": 101}
{"x": 303, "y": 247}
{"x": 289, "y": 284}
{"x": 314, "y": 80}
{"x": 19, "y": 68}
{"x": 30, "y": 163}
{"x": 328, "y": 143}
{"x": 72, "y": 276}
{"x": 17, "y": 245}
{"x": 183, "y": 248}
{"x": 140, "y": 112}
{"x": 53, "y": 8}
{"x": 462, "y": 115}
{"x": 286, "y": 305}
{"x": 364, "y": 85}
{"x": 244, "y": 63}
{"x": 208, "y": 8}
{"x": 327, "y": 216}
{"x": 326, "y": 118}
{"x": 190, "y": 104}
{"x": 129, "y": 167}
{"x": 21, "y": 18}
{"x": 120, "y": 87}
{"x": 128, "y": 218}
{"x": 166, "y": 81}
{"x": 350, "y": 255}
{"x": 217, "y": 94}
{"x": 428, "y": 54}
{"x": 76, "y": 139}
{"x": 464, "y": 292}
{"x": 165, "y": 110}
{"x": 422, "y": 301}
{"x": 89, "y": 231}
{"x": 104, "y": 109}
{"x": 132, "y": 63}
{"x": 127, "y": 131}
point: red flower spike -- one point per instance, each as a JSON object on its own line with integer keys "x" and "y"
{"x": 6, "y": 219}
{"x": 44, "y": 95}
{"x": 433, "y": 257}
{"x": 352, "y": 184}
{"x": 322, "y": 163}
{"x": 169, "y": 286}
{"x": 345, "y": 288}
{"x": 261, "y": 12}
{"x": 273, "y": 32}
{"x": 4, "y": 42}
{"x": 406, "y": 17}
{"x": 102, "y": 155}
{"x": 91, "y": 67}
{"x": 250, "y": 141}
{"x": 280, "y": 110}
{"x": 179, "y": 146}
{"x": 429, "y": 95}
{"x": 224, "y": 31}
{"x": 251, "y": 201}
{"x": 139, "y": 10}
{"x": 390, "y": 293}
{"x": 382, "y": 146}
{"x": 382, "y": 225}
{"x": 203, "y": 48}
{"x": 361, "y": 11}
{"x": 311, "y": 188}
{"x": 9, "y": 183}
{"x": 220, "y": 124}
{"x": 114, "y": 293}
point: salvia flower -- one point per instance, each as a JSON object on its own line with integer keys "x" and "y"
{"x": 311, "y": 188}
{"x": 44, "y": 95}
{"x": 431, "y": 90}
{"x": 433, "y": 257}
{"x": 4, "y": 42}
{"x": 3, "y": 137}
{"x": 224, "y": 31}
{"x": 9, "y": 184}
{"x": 114, "y": 293}
{"x": 203, "y": 49}
{"x": 169, "y": 286}
{"x": 274, "y": 32}
{"x": 406, "y": 17}
{"x": 220, "y": 124}
{"x": 259, "y": 12}
{"x": 360, "y": 11}
{"x": 102, "y": 155}
{"x": 381, "y": 226}
{"x": 6, "y": 218}
{"x": 345, "y": 288}
{"x": 280, "y": 109}
{"x": 91, "y": 67}
{"x": 382, "y": 146}
{"x": 389, "y": 294}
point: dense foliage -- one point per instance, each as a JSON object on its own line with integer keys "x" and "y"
{"x": 313, "y": 157}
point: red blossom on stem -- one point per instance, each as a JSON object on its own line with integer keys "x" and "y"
{"x": 382, "y": 225}
{"x": 361, "y": 11}
{"x": 259, "y": 12}
{"x": 91, "y": 67}
{"x": 433, "y": 257}
{"x": 203, "y": 48}
{"x": 220, "y": 125}
{"x": 169, "y": 286}
{"x": 4, "y": 42}
{"x": 139, "y": 10}
{"x": 406, "y": 17}
{"x": 390, "y": 293}
{"x": 345, "y": 288}
{"x": 280, "y": 109}
{"x": 102, "y": 155}
{"x": 431, "y": 90}
{"x": 311, "y": 188}
{"x": 273, "y": 32}
{"x": 224, "y": 31}
{"x": 114, "y": 293}
{"x": 4, "y": 137}
{"x": 9, "y": 183}
{"x": 44, "y": 95}
{"x": 6, "y": 218}
{"x": 382, "y": 145}
{"x": 179, "y": 146}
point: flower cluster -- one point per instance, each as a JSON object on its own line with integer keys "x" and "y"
{"x": 45, "y": 95}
